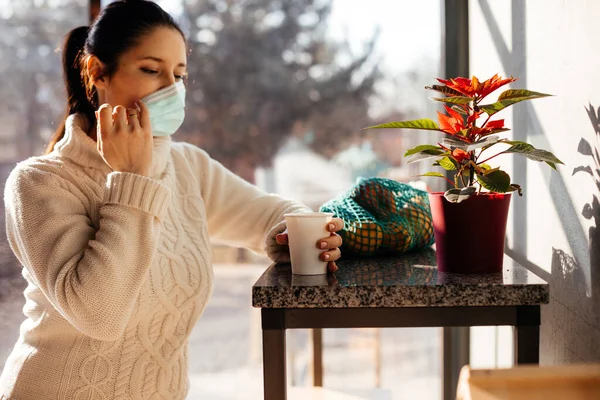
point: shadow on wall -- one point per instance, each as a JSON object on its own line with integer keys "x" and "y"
{"x": 563, "y": 264}
{"x": 591, "y": 210}
{"x": 573, "y": 311}
{"x": 527, "y": 127}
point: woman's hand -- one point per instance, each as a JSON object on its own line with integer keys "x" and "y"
{"x": 330, "y": 245}
{"x": 124, "y": 138}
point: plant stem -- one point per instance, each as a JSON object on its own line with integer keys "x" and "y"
{"x": 460, "y": 173}
{"x": 449, "y": 181}
{"x": 487, "y": 159}
{"x": 486, "y": 121}
{"x": 471, "y": 170}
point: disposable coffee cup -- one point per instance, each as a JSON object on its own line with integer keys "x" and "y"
{"x": 304, "y": 231}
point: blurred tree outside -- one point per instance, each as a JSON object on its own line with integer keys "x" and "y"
{"x": 32, "y": 98}
{"x": 259, "y": 68}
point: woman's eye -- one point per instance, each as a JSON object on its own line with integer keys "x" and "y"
{"x": 149, "y": 71}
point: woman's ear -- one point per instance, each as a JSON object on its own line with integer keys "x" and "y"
{"x": 95, "y": 71}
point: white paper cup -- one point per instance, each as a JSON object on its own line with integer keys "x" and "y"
{"x": 304, "y": 231}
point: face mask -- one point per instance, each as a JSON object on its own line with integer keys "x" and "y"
{"x": 166, "y": 108}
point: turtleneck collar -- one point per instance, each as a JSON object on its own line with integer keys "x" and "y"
{"x": 79, "y": 147}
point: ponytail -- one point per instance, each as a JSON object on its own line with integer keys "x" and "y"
{"x": 75, "y": 80}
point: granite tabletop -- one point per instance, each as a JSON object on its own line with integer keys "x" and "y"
{"x": 410, "y": 280}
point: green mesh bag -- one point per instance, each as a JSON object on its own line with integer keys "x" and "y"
{"x": 382, "y": 216}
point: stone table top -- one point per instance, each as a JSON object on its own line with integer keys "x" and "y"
{"x": 410, "y": 280}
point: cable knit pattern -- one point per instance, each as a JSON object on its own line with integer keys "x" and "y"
{"x": 119, "y": 266}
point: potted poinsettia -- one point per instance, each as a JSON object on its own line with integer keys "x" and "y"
{"x": 470, "y": 218}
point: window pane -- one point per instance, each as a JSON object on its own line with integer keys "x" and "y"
{"x": 278, "y": 92}
{"x": 32, "y": 102}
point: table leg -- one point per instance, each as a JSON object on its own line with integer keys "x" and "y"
{"x": 527, "y": 344}
{"x": 317, "y": 370}
{"x": 455, "y": 354}
{"x": 274, "y": 363}
{"x": 527, "y": 335}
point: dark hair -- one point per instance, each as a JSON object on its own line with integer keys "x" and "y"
{"x": 118, "y": 28}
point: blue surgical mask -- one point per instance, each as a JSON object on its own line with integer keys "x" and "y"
{"x": 166, "y": 108}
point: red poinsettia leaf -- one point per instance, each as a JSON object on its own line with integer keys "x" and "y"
{"x": 499, "y": 123}
{"x": 492, "y": 84}
{"x": 447, "y": 123}
{"x": 460, "y": 155}
{"x": 461, "y": 85}
{"x": 453, "y": 114}
{"x": 473, "y": 117}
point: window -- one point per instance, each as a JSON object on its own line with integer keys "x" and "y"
{"x": 271, "y": 82}
{"x": 32, "y": 102}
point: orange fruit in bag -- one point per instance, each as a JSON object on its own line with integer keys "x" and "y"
{"x": 365, "y": 238}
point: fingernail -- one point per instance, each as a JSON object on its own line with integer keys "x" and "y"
{"x": 323, "y": 245}
{"x": 326, "y": 256}
{"x": 331, "y": 227}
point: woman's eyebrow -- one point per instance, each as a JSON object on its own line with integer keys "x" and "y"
{"x": 160, "y": 60}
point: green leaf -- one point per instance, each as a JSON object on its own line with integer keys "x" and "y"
{"x": 455, "y": 143}
{"x": 436, "y": 174}
{"x": 449, "y": 164}
{"x": 444, "y": 89}
{"x": 521, "y": 94}
{"x": 424, "y": 123}
{"x": 460, "y": 110}
{"x": 454, "y": 99}
{"x": 421, "y": 148}
{"x": 514, "y": 186}
{"x": 497, "y": 181}
{"x": 487, "y": 141}
{"x": 532, "y": 153}
{"x": 510, "y": 97}
{"x": 423, "y": 152}
{"x": 421, "y": 156}
{"x": 457, "y": 195}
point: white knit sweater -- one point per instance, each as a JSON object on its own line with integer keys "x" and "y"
{"x": 119, "y": 266}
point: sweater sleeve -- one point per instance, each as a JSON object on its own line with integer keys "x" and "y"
{"x": 238, "y": 212}
{"x": 91, "y": 276}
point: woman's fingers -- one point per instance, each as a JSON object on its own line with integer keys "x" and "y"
{"x": 330, "y": 242}
{"x": 133, "y": 119}
{"x": 119, "y": 118}
{"x": 332, "y": 267}
{"x": 104, "y": 117}
{"x": 331, "y": 255}
{"x": 282, "y": 239}
{"x": 335, "y": 225}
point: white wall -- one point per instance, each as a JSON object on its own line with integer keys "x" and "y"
{"x": 552, "y": 46}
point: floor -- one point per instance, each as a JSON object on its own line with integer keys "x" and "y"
{"x": 225, "y": 347}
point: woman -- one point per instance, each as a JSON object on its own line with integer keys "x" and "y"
{"x": 112, "y": 225}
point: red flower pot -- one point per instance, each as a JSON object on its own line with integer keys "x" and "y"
{"x": 469, "y": 236}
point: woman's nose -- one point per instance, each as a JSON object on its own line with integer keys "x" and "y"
{"x": 168, "y": 81}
